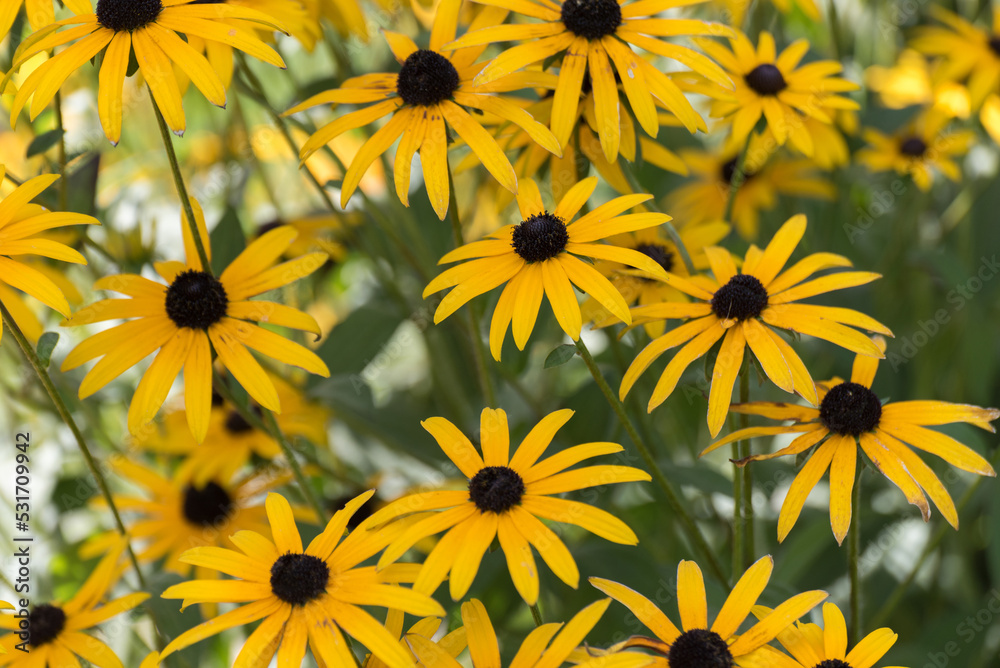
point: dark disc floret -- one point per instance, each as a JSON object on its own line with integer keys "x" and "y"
{"x": 700, "y": 648}
{"x": 496, "y": 489}
{"x": 540, "y": 237}
{"x": 766, "y": 79}
{"x": 196, "y": 299}
{"x": 207, "y": 506}
{"x": 741, "y": 298}
{"x": 994, "y": 44}
{"x": 591, "y": 19}
{"x": 127, "y": 15}
{"x": 45, "y": 623}
{"x": 659, "y": 254}
{"x": 728, "y": 171}
{"x": 913, "y": 147}
{"x": 426, "y": 78}
{"x": 850, "y": 409}
{"x": 299, "y": 578}
{"x": 236, "y": 423}
{"x": 833, "y": 663}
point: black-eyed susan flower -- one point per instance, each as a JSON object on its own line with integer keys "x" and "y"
{"x": 850, "y": 414}
{"x": 970, "y": 54}
{"x": 175, "y": 514}
{"x": 310, "y": 596}
{"x": 597, "y": 37}
{"x": 638, "y": 287}
{"x": 920, "y": 149}
{"x": 743, "y": 308}
{"x": 539, "y": 256}
{"x": 40, "y": 13}
{"x": 432, "y": 92}
{"x": 191, "y": 316}
{"x": 720, "y": 644}
{"x": 773, "y": 85}
{"x": 154, "y": 33}
{"x": 914, "y": 81}
{"x": 22, "y": 233}
{"x": 231, "y": 441}
{"x": 812, "y": 646}
{"x": 505, "y": 497}
{"x": 764, "y": 178}
{"x": 548, "y": 646}
{"x": 56, "y": 629}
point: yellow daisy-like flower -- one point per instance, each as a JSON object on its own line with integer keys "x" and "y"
{"x": 56, "y": 629}
{"x": 194, "y": 314}
{"x": 231, "y": 441}
{"x": 773, "y": 85}
{"x": 919, "y": 149}
{"x": 21, "y": 228}
{"x": 305, "y": 597}
{"x": 431, "y": 93}
{"x": 638, "y": 287}
{"x": 539, "y": 256}
{"x": 742, "y": 307}
{"x": 913, "y": 81}
{"x": 813, "y": 646}
{"x": 850, "y": 413}
{"x": 721, "y": 640}
{"x": 506, "y": 496}
{"x": 597, "y": 36}
{"x": 969, "y": 54}
{"x": 154, "y": 31}
{"x": 548, "y": 646}
{"x": 176, "y": 514}
{"x": 40, "y": 13}
{"x": 764, "y": 178}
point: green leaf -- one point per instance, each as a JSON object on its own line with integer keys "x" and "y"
{"x": 46, "y": 344}
{"x": 44, "y": 142}
{"x": 82, "y": 184}
{"x": 227, "y": 240}
{"x": 354, "y": 343}
{"x": 560, "y": 355}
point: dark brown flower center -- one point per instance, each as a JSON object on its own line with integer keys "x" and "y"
{"x": 833, "y": 663}
{"x": 994, "y": 44}
{"x": 913, "y": 147}
{"x": 728, "y": 171}
{"x": 207, "y": 506}
{"x": 196, "y": 299}
{"x": 299, "y": 578}
{"x": 426, "y": 78}
{"x": 741, "y": 298}
{"x": 700, "y": 648}
{"x": 592, "y": 19}
{"x": 850, "y": 409}
{"x": 496, "y": 489}
{"x": 659, "y": 254}
{"x": 45, "y": 623}
{"x": 766, "y": 79}
{"x": 236, "y": 424}
{"x": 540, "y": 237}
{"x": 127, "y": 15}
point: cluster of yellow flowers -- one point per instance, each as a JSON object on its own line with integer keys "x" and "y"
{"x": 545, "y": 95}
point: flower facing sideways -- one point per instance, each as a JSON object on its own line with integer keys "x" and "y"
{"x": 506, "y": 497}
{"x": 850, "y": 413}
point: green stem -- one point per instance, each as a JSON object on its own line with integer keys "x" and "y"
{"x": 853, "y": 560}
{"x": 270, "y": 426}
{"x": 836, "y": 36}
{"x": 536, "y": 614}
{"x": 64, "y": 414}
{"x": 897, "y": 594}
{"x": 673, "y": 498}
{"x": 478, "y": 349}
{"x": 182, "y": 190}
{"x": 63, "y": 182}
{"x": 669, "y": 226}
{"x": 735, "y": 182}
